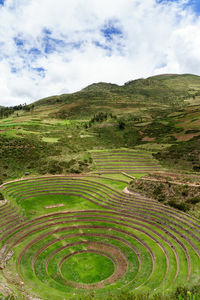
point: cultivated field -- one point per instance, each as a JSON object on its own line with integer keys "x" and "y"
{"x": 124, "y": 160}
{"x": 101, "y": 240}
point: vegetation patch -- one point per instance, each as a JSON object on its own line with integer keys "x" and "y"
{"x": 185, "y": 155}
{"x": 104, "y": 241}
{"x": 87, "y": 267}
{"x": 124, "y": 160}
{"x": 180, "y": 195}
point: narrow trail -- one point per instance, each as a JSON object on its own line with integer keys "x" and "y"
{"x": 172, "y": 182}
{"x": 126, "y": 191}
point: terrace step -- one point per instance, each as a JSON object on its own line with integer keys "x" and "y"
{"x": 147, "y": 243}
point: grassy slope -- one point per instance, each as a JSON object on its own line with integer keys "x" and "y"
{"x": 160, "y": 114}
{"x": 154, "y": 93}
{"x": 157, "y": 113}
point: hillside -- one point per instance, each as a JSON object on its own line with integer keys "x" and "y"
{"x": 146, "y": 96}
{"x": 160, "y": 114}
{"x": 100, "y": 193}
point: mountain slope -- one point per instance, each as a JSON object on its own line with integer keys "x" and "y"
{"x": 154, "y": 93}
{"x": 153, "y": 114}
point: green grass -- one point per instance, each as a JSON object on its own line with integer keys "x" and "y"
{"x": 138, "y": 175}
{"x": 35, "y": 206}
{"x": 124, "y": 160}
{"x": 87, "y": 268}
{"x": 156, "y": 114}
{"x": 63, "y": 122}
{"x": 117, "y": 185}
{"x": 50, "y": 139}
{"x": 59, "y": 248}
{"x": 116, "y": 177}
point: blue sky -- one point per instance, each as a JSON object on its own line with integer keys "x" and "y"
{"x": 51, "y": 47}
{"x": 195, "y": 5}
{"x": 192, "y": 4}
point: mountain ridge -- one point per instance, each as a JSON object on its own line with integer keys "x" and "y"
{"x": 158, "y": 93}
{"x": 153, "y": 81}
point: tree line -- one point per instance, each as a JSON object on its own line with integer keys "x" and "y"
{"x": 6, "y": 111}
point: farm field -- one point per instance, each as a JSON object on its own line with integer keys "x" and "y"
{"x": 124, "y": 160}
{"x": 137, "y": 243}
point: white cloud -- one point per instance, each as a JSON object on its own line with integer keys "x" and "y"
{"x": 49, "y": 47}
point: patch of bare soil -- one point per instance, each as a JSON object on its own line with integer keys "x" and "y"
{"x": 54, "y": 206}
{"x": 148, "y": 139}
{"x": 185, "y": 137}
{"x": 3, "y": 202}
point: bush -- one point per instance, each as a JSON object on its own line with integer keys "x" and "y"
{"x": 196, "y": 168}
{"x": 194, "y": 200}
{"x": 75, "y": 170}
{"x": 158, "y": 189}
{"x": 181, "y": 292}
{"x": 185, "y": 193}
{"x": 161, "y": 198}
{"x": 121, "y": 124}
{"x": 54, "y": 167}
{"x": 181, "y": 206}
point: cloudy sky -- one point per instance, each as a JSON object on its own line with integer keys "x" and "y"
{"x": 50, "y": 47}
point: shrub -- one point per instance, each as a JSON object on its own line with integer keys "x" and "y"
{"x": 161, "y": 198}
{"x": 121, "y": 124}
{"x": 196, "y": 168}
{"x": 194, "y": 200}
{"x": 185, "y": 193}
{"x": 55, "y": 168}
{"x": 181, "y": 206}
{"x": 181, "y": 292}
{"x": 158, "y": 189}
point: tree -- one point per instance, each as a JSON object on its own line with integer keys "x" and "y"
{"x": 121, "y": 124}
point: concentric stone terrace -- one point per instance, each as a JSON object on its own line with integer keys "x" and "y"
{"x": 114, "y": 241}
{"x": 129, "y": 161}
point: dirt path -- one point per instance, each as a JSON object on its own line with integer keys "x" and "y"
{"x": 126, "y": 191}
{"x": 172, "y": 182}
{"x": 4, "y": 290}
{"x": 55, "y": 206}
